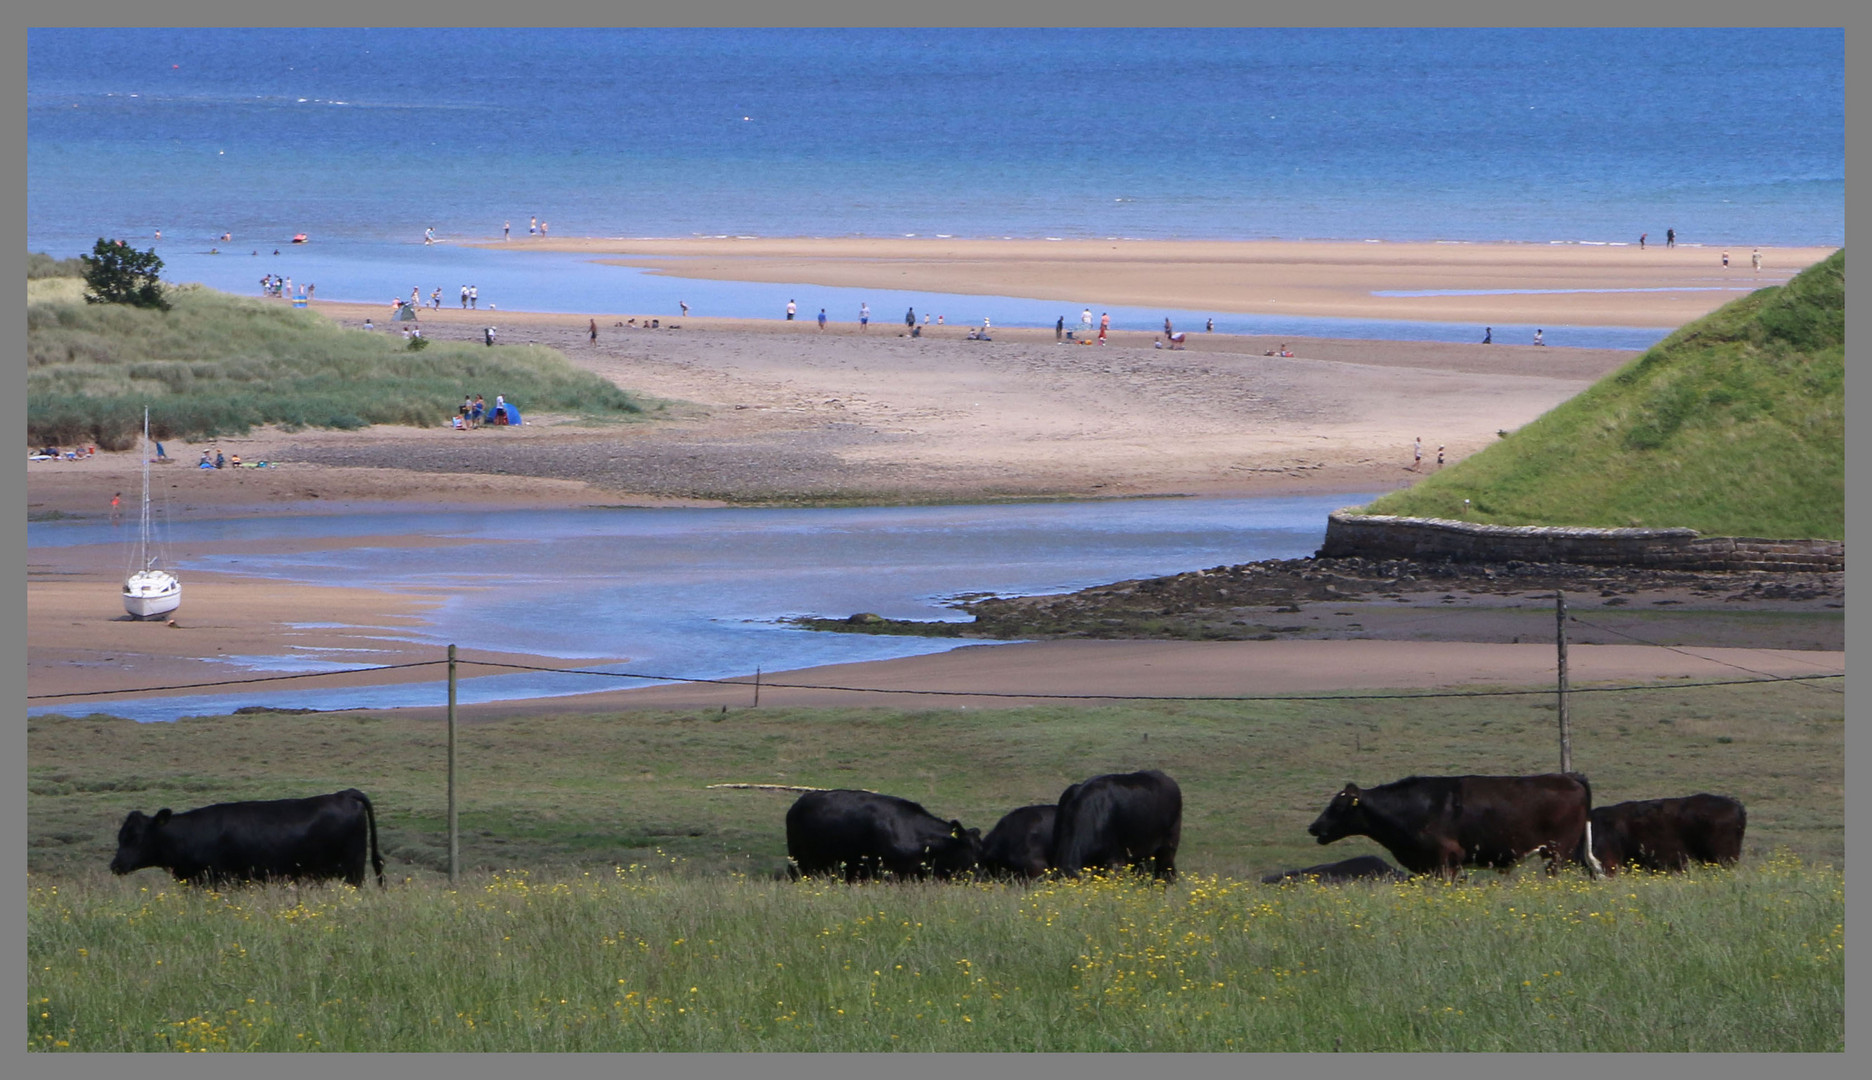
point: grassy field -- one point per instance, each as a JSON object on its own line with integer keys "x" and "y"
{"x": 613, "y": 901}
{"x": 591, "y": 792}
{"x": 1734, "y": 426}
{"x": 649, "y": 957}
{"x": 219, "y": 364}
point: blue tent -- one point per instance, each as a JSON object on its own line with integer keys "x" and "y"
{"x": 512, "y": 411}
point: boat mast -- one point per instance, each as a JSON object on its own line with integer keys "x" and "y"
{"x": 143, "y": 541}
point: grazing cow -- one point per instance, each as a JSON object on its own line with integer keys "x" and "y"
{"x": 1120, "y": 819}
{"x": 863, "y": 835}
{"x": 1666, "y": 834}
{"x": 1338, "y": 873}
{"x": 1021, "y": 842}
{"x": 1439, "y": 824}
{"x": 325, "y": 836}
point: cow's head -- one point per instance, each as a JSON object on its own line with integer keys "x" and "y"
{"x": 1343, "y": 817}
{"x": 957, "y": 853}
{"x": 137, "y": 844}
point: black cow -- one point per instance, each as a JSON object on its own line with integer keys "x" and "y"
{"x": 325, "y": 836}
{"x": 1438, "y": 824}
{"x": 863, "y": 835}
{"x": 1120, "y": 819}
{"x": 1359, "y": 868}
{"x": 1666, "y": 834}
{"x": 1021, "y": 843}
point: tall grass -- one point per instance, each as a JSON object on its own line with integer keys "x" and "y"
{"x": 647, "y": 957}
{"x": 1734, "y": 425}
{"x": 218, "y": 364}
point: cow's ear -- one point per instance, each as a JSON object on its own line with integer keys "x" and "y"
{"x": 162, "y": 816}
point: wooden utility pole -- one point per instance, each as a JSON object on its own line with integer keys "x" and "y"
{"x": 454, "y": 828}
{"x": 1566, "y": 721}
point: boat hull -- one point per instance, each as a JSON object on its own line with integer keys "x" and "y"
{"x": 150, "y": 594}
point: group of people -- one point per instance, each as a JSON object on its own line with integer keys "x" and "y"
{"x": 276, "y": 286}
{"x": 215, "y": 459}
{"x": 475, "y": 412}
{"x": 470, "y": 297}
{"x": 1417, "y": 455}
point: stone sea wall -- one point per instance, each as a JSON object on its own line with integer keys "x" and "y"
{"x": 1377, "y": 536}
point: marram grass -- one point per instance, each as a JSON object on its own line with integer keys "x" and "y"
{"x": 653, "y": 957}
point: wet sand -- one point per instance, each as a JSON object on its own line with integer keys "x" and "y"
{"x": 1539, "y": 284}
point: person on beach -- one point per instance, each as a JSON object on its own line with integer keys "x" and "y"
{"x": 1209, "y": 329}
{"x": 435, "y": 299}
{"x": 464, "y": 298}
{"x": 488, "y": 336}
{"x": 790, "y": 309}
{"x": 1488, "y": 335}
{"x": 116, "y": 507}
{"x": 1725, "y": 260}
{"x": 684, "y": 304}
{"x": 939, "y": 320}
{"x": 542, "y": 230}
{"x": 1439, "y": 457}
{"x": 1104, "y": 325}
{"x": 367, "y": 323}
{"x": 429, "y": 235}
{"x": 594, "y": 331}
{"x": 864, "y": 316}
{"x": 1059, "y": 329}
{"x": 310, "y": 289}
{"x": 1166, "y": 326}
{"x": 821, "y": 318}
{"x": 1417, "y": 455}
{"x": 479, "y": 411}
{"x": 1085, "y": 321}
{"x": 984, "y": 326}
{"x": 1755, "y": 259}
{"x": 467, "y": 406}
{"x": 533, "y": 226}
{"x": 1641, "y": 239}
{"x": 1537, "y": 337}
{"x": 1670, "y": 238}
{"x": 910, "y": 318}
{"x": 474, "y": 296}
{"x": 506, "y": 228}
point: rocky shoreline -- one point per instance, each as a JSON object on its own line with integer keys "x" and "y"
{"x": 1398, "y": 599}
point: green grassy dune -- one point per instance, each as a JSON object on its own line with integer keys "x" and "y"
{"x": 1734, "y": 426}
{"x": 219, "y": 364}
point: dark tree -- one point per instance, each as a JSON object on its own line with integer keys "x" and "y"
{"x": 116, "y": 273}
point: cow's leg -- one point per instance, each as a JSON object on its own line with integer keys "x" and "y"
{"x": 1164, "y": 863}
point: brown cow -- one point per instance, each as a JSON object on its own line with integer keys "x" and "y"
{"x": 1439, "y": 824}
{"x": 1666, "y": 834}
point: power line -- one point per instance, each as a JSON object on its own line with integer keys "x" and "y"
{"x": 997, "y": 694}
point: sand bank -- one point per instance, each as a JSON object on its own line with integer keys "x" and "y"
{"x": 973, "y": 676}
{"x": 1541, "y": 284}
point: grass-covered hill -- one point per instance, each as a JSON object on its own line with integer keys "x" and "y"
{"x": 1734, "y": 425}
{"x": 218, "y": 364}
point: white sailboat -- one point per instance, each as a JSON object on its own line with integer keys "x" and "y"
{"x": 149, "y": 592}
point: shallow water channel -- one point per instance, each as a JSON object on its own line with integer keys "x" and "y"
{"x": 697, "y": 593}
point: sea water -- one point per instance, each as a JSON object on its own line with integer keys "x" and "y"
{"x": 362, "y": 139}
{"x": 689, "y": 593}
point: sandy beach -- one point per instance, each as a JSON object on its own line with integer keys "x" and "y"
{"x": 1492, "y": 284}
{"x": 767, "y": 412}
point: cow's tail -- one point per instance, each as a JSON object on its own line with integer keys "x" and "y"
{"x": 1594, "y": 868}
{"x": 370, "y": 815}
